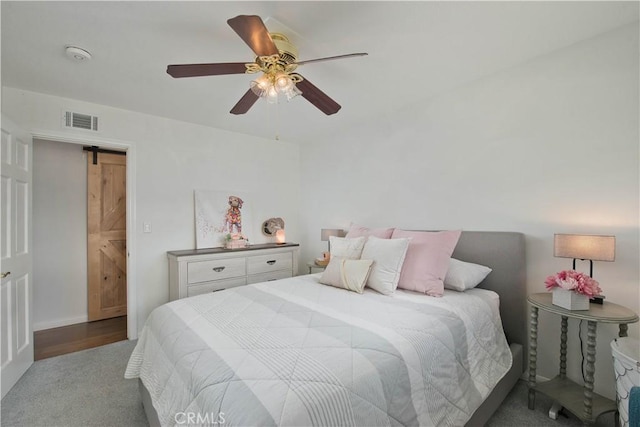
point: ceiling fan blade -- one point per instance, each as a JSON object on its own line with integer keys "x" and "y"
{"x": 197, "y": 70}
{"x": 246, "y": 102}
{"x": 318, "y": 97}
{"x": 252, "y": 30}
{"x": 331, "y": 58}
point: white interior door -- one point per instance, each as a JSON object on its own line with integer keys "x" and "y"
{"x": 16, "y": 299}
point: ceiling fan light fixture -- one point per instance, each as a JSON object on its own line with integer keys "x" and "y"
{"x": 292, "y": 92}
{"x": 283, "y": 81}
{"x": 270, "y": 86}
{"x": 271, "y": 95}
{"x": 260, "y": 86}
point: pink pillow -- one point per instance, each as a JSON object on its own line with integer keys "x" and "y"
{"x": 427, "y": 260}
{"x": 358, "y": 230}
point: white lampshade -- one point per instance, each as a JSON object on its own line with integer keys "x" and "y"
{"x": 325, "y": 233}
{"x": 585, "y": 247}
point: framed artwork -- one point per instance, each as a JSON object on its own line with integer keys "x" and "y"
{"x": 219, "y": 213}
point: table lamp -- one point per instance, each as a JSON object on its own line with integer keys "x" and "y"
{"x": 584, "y": 247}
{"x": 326, "y": 233}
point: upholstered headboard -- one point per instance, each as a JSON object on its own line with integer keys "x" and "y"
{"x": 504, "y": 252}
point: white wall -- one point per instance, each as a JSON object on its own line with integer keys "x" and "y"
{"x": 59, "y": 234}
{"x": 547, "y": 147}
{"x": 172, "y": 159}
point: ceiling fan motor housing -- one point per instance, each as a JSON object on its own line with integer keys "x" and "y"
{"x": 288, "y": 52}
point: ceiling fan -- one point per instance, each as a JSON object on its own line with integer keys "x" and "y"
{"x": 276, "y": 58}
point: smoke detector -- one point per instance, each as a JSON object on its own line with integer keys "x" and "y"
{"x": 77, "y": 53}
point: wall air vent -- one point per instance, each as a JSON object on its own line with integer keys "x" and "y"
{"x": 80, "y": 121}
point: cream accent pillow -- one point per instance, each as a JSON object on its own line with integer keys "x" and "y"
{"x": 346, "y": 248}
{"x": 388, "y": 255}
{"x": 349, "y": 274}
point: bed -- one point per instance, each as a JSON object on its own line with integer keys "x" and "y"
{"x": 296, "y": 352}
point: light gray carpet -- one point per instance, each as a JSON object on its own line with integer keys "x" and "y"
{"x": 514, "y": 412}
{"x": 87, "y": 388}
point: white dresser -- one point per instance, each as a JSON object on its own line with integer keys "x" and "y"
{"x": 198, "y": 271}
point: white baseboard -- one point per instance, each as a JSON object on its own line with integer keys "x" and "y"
{"x": 39, "y": 326}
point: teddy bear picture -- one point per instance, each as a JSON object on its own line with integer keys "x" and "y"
{"x": 233, "y": 217}
{"x": 221, "y": 216}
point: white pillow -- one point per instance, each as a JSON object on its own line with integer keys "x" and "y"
{"x": 388, "y": 255}
{"x": 464, "y": 275}
{"x": 349, "y": 274}
{"x": 346, "y": 248}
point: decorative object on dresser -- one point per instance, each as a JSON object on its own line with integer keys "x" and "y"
{"x": 580, "y": 401}
{"x": 235, "y": 241}
{"x": 274, "y": 227}
{"x": 221, "y": 216}
{"x": 271, "y": 226}
{"x": 194, "y": 272}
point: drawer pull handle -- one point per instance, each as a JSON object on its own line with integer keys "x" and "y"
{"x": 271, "y": 262}
{"x": 218, "y": 269}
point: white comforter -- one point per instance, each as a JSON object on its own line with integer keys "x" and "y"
{"x": 294, "y": 352}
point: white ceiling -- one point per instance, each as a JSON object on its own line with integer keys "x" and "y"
{"x": 416, "y": 50}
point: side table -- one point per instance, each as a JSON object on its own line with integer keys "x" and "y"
{"x": 313, "y": 265}
{"x": 580, "y": 401}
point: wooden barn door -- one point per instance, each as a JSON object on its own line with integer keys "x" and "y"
{"x": 107, "y": 235}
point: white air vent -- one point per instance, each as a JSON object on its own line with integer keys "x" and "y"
{"x": 80, "y": 121}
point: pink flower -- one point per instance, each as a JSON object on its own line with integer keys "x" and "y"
{"x": 574, "y": 281}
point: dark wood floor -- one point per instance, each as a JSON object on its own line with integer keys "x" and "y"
{"x": 68, "y": 339}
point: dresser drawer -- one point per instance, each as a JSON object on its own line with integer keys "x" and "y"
{"x": 266, "y": 277}
{"x": 218, "y": 285}
{"x": 267, "y": 263}
{"x": 199, "y": 271}
{"x": 206, "y": 271}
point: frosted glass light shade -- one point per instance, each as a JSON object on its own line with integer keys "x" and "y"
{"x": 577, "y": 246}
{"x": 260, "y": 86}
